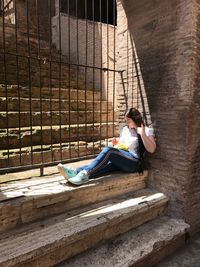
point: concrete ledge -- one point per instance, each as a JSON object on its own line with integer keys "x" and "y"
{"x": 144, "y": 246}
{"x": 39, "y": 197}
{"x": 51, "y": 241}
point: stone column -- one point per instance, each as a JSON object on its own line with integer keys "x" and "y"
{"x": 165, "y": 43}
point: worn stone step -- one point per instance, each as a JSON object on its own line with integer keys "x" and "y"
{"x": 49, "y": 153}
{"x": 37, "y": 135}
{"x": 51, "y": 104}
{"x": 38, "y": 197}
{"x": 24, "y": 119}
{"x": 49, "y": 93}
{"x": 36, "y": 72}
{"x": 61, "y": 237}
{"x": 143, "y": 246}
{"x": 34, "y": 78}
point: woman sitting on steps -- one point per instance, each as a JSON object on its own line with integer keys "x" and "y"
{"x": 125, "y": 154}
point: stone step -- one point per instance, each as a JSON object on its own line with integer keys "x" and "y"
{"x": 53, "y": 240}
{"x": 37, "y": 135}
{"x": 40, "y": 68}
{"x": 49, "y": 93}
{"x": 35, "y": 198}
{"x": 48, "y": 104}
{"x": 143, "y": 246}
{"x": 49, "y": 153}
{"x": 8, "y": 33}
{"x": 24, "y": 44}
{"x": 36, "y": 73}
{"x": 25, "y": 119}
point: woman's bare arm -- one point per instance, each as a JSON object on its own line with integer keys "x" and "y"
{"x": 148, "y": 141}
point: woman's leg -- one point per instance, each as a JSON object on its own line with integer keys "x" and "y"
{"x": 120, "y": 160}
{"x": 107, "y": 169}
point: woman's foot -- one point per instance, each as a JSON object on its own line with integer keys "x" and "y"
{"x": 81, "y": 178}
{"x": 66, "y": 172}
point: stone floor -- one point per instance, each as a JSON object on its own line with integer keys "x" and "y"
{"x": 189, "y": 256}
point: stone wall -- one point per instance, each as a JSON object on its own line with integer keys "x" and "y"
{"x": 87, "y": 43}
{"x": 34, "y": 16}
{"x": 163, "y": 38}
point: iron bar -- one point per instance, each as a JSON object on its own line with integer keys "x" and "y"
{"x": 6, "y": 6}
{"x": 107, "y": 81}
{"x": 6, "y": 93}
{"x": 64, "y": 63}
{"x": 96, "y": 67}
{"x": 101, "y": 76}
{"x": 77, "y": 76}
{"x": 43, "y": 165}
{"x": 29, "y": 77}
{"x": 60, "y": 47}
{"x": 40, "y": 87}
{"x": 127, "y": 66}
{"x": 69, "y": 80}
{"x": 93, "y": 74}
{"x": 114, "y": 59}
{"x": 18, "y": 88}
{"x": 50, "y": 77}
{"x": 86, "y": 73}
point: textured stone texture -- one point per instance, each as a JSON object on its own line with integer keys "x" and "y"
{"x": 165, "y": 38}
{"x": 54, "y": 240}
{"x": 187, "y": 256}
{"x": 40, "y": 197}
{"x": 134, "y": 248}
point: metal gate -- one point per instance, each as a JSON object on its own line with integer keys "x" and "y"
{"x": 57, "y": 81}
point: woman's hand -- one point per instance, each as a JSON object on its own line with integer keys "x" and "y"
{"x": 141, "y": 130}
{"x": 114, "y": 141}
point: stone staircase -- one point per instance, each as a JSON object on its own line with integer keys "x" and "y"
{"x": 32, "y": 61}
{"x": 49, "y": 124}
{"x": 113, "y": 220}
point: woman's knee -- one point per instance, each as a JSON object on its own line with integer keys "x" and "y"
{"x": 107, "y": 149}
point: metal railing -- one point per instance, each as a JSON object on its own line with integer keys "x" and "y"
{"x": 57, "y": 91}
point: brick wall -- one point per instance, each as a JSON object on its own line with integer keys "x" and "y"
{"x": 39, "y": 16}
{"x": 91, "y": 43}
{"x": 162, "y": 38}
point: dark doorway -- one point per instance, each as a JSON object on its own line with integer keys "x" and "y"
{"x": 97, "y": 10}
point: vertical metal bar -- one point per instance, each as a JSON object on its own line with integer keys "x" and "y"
{"x": 60, "y": 121}
{"x": 127, "y": 66}
{"x": 18, "y": 88}
{"x": 86, "y": 61}
{"x": 39, "y": 62}
{"x": 6, "y": 92}
{"x": 101, "y": 73}
{"x": 29, "y": 77}
{"x": 107, "y": 124}
{"x": 132, "y": 78}
{"x": 69, "y": 81}
{"x": 137, "y": 92}
{"x": 77, "y": 75}
{"x": 114, "y": 18}
{"x": 50, "y": 79}
{"x": 93, "y": 73}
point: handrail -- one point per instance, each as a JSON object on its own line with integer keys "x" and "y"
{"x": 3, "y": 9}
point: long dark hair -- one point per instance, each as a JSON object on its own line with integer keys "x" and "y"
{"x": 135, "y": 115}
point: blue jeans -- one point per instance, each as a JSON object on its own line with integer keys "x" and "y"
{"x": 111, "y": 159}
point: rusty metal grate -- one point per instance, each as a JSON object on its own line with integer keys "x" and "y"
{"x": 57, "y": 81}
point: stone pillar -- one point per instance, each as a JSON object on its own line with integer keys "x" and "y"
{"x": 164, "y": 39}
